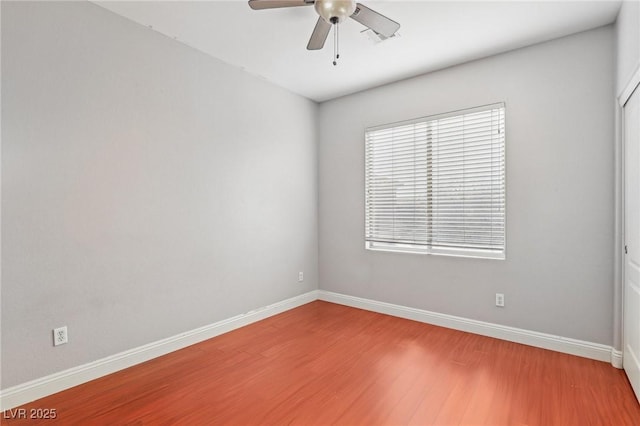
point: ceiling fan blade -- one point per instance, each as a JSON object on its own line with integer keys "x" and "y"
{"x": 272, "y": 4}
{"x": 319, "y": 35}
{"x": 377, "y": 22}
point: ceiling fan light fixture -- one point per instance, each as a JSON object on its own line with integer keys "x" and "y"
{"x": 335, "y": 11}
{"x": 332, "y": 13}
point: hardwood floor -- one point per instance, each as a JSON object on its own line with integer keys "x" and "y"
{"x": 328, "y": 364}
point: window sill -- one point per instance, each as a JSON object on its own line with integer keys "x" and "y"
{"x": 465, "y": 253}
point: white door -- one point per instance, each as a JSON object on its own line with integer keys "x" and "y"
{"x": 631, "y": 332}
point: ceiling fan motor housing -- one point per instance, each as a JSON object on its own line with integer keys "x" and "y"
{"x": 335, "y": 11}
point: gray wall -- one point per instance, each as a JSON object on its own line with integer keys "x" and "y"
{"x": 147, "y": 189}
{"x": 628, "y": 42}
{"x": 558, "y": 274}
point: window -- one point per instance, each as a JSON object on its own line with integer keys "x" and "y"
{"x": 437, "y": 184}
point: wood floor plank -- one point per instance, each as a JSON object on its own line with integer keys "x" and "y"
{"x": 324, "y": 363}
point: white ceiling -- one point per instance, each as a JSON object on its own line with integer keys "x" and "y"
{"x": 433, "y": 35}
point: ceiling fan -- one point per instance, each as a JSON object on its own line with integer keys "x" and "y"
{"x": 332, "y": 13}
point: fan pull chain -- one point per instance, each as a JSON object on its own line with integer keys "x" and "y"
{"x": 336, "y": 46}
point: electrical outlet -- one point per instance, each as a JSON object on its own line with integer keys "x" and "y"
{"x": 300, "y": 277}
{"x": 500, "y": 299}
{"x": 60, "y": 336}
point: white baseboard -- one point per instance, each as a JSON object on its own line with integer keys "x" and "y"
{"x": 21, "y": 394}
{"x": 532, "y": 338}
{"x": 616, "y": 358}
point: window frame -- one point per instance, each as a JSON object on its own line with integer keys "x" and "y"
{"x": 479, "y": 253}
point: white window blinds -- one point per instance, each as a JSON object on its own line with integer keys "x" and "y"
{"x": 437, "y": 184}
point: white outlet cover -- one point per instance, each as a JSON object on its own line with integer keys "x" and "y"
{"x": 60, "y": 336}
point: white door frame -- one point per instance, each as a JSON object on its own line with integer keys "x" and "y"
{"x": 619, "y": 220}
